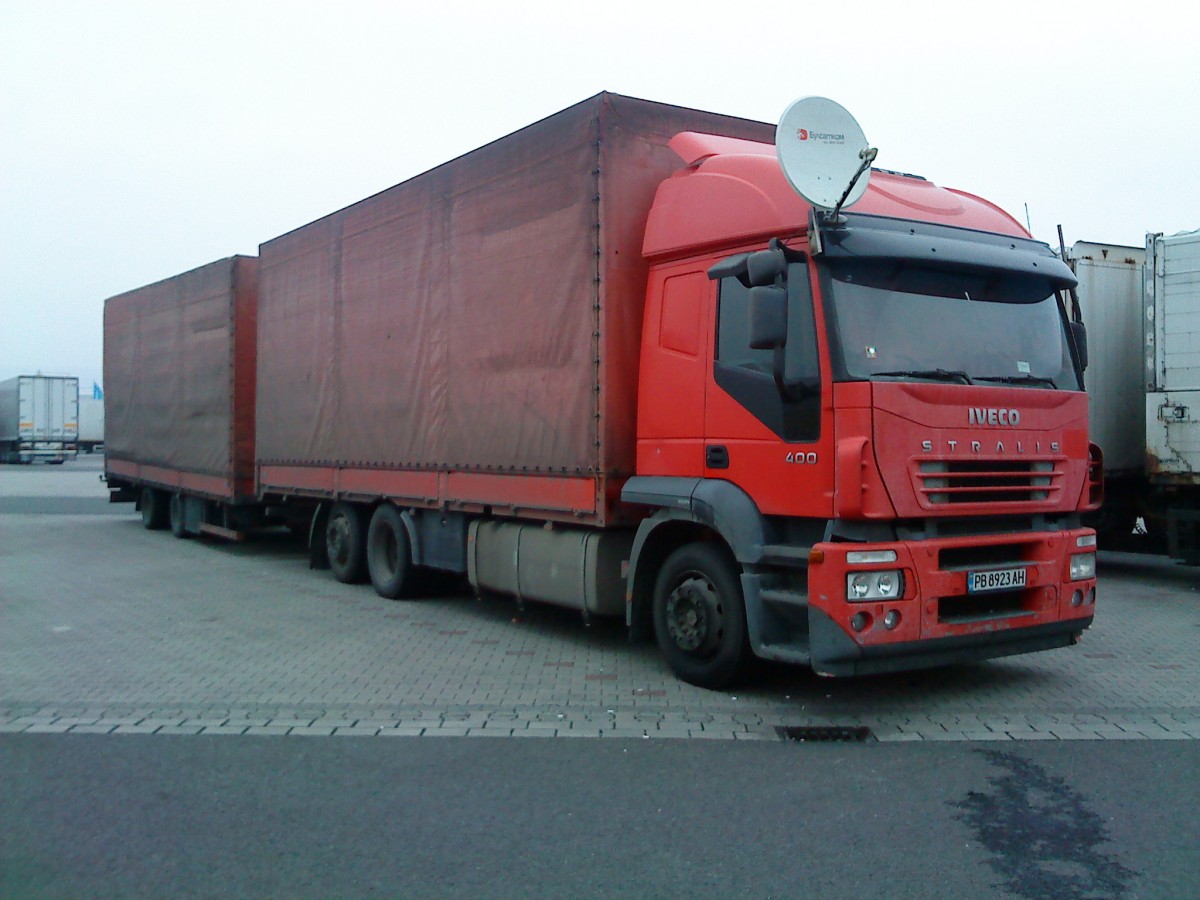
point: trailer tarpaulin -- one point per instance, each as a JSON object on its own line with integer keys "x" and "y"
{"x": 179, "y": 373}
{"x": 481, "y": 317}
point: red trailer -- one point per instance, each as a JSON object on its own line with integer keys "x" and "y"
{"x": 614, "y": 362}
{"x": 179, "y": 398}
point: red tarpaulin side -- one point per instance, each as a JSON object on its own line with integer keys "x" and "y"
{"x": 179, "y": 376}
{"x": 481, "y": 317}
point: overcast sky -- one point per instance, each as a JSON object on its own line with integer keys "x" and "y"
{"x": 139, "y": 140}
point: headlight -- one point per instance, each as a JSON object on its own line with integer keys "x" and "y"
{"x": 887, "y": 585}
{"x": 1083, "y": 565}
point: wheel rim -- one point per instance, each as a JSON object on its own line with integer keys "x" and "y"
{"x": 337, "y": 538}
{"x": 695, "y": 615}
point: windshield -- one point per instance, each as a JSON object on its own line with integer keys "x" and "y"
{"x": 897, "y": 322}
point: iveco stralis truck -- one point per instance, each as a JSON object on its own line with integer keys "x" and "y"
{"x": 614, "y": 361}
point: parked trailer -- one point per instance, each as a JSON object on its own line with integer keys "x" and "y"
{"x": 614, "y": 362}
{"x": 39, "y": 418}
{"x": 179, "y": 359}
{"x": 91, "y": 424}
{"x": 1142, "y": 306}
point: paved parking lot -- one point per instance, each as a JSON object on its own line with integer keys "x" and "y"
{"x": 105, "y": 627}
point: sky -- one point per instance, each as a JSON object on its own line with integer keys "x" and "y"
{"x": 142, "y": 139}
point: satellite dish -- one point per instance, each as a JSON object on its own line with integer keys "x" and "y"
{"x": 822, "y": 149}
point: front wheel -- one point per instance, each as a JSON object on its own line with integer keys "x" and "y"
{"x": 700, "y": 616}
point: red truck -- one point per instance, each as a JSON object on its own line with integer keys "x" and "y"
{"x": 614, "y": 362}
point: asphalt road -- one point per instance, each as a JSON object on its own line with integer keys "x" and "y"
{"x": 87, "y": 815}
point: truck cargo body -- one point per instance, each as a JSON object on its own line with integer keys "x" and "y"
{"x": 39, "y": 418}
{"x": 179, "y": 395}
{"x": 471, "y": 337}
{"x": 542, "y": 365}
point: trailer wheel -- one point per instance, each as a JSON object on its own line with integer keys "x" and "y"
{"x": 175, "y": 516}
{"x": 389, "y": 553}
{"x": 700, "y": 616}
{"x": 154, "y": 509}
{"x": 345, "y": 543}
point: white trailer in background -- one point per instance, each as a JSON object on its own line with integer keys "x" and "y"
{"x": 39, "y": 418}
{"x": 91, "y": 423}
{"x": 1142, "y": 309}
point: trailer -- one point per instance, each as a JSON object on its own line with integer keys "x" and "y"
{"x": 39, "y": 418}
{"x": 91, "y": 424}
{"x": 1142, "y": 305}
{"x": 614, "y": 362}
{"x": 179, "y": 370}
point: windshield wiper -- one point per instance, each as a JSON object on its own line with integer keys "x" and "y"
{"x": 939, "y": 374}
{"x": 1018, "y": 379}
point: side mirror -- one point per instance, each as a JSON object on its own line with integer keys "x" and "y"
{"x": 768, "y": 317}
{"x": 1079, "y": 336}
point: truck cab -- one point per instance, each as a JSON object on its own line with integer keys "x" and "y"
{"x": 862, "y": 439}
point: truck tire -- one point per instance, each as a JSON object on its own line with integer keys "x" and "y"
{"x": 154, "y": 509}
{"x": 175, "y": 516}
{"x": 345, "y": 543}
{"x": 389, "y": 553}
{"x": 700, "y": 616}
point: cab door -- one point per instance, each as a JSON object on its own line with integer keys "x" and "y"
{"x": 771, "y": 440}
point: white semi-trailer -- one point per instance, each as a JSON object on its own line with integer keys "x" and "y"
{"x": 39, "y": 418}
{"x": 1142, "y": 309}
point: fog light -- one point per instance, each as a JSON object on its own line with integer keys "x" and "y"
{"x": 860, "y": 621}
{"x": 1077, "y": 599}
{"x": 1083, "y": 565}
{"x": 892, "y": 619}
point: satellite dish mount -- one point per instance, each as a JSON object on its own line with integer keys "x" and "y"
{"x": 824, "y": 156}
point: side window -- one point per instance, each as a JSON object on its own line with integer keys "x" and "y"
{"x": 748, "y": 375}
{"x": 733, "y": 330}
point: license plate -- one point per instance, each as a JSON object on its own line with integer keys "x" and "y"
{"x": 995, "y": 580}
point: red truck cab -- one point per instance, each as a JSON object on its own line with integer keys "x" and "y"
{"x": 864, "y": 439}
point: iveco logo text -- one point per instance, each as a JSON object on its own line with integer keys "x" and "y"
{"x": 978, "y": 415}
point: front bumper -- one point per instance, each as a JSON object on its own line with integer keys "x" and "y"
{"x": 938, "y": 620}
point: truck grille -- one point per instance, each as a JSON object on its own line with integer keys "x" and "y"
{"x": 986, "y": 481}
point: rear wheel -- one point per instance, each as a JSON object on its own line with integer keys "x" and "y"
{"x": 389, "y": 553}
{"x": 175, "y": 515}
{"x": 154, "y": 509}
{"x": 700, "y": 616}
{"x": 345, "y": 542}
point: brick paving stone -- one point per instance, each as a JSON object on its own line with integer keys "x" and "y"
{"x": 267, "y": 729}
{"x": 312, "y": 731}
{"x": 47, "y": 729}
{"x": 502, "y": 678}
{"x": 12, "y": 728}
{"x": 224, "y": 729}
{"x": 446, "y": 732}
{"x": 180, "y": 729}
{"x": 92, "y": 729}
{"x": 355, "y": 731}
